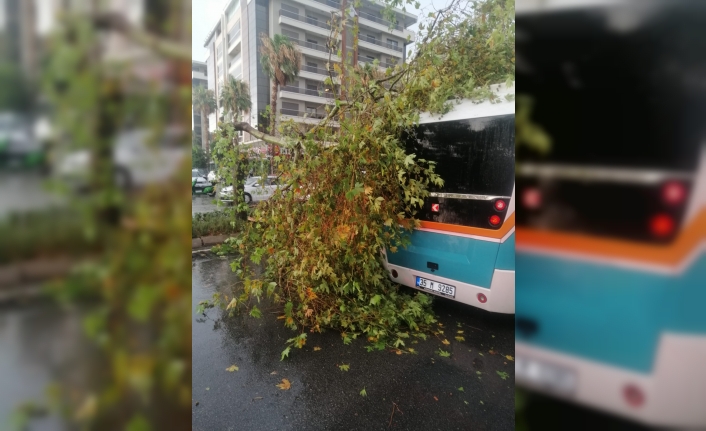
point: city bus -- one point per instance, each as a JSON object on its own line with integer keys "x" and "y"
{"x": 611, "y": 269}
{"x": 464, "y": 249}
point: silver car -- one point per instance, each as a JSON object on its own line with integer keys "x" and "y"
{"x": 255, "y": 190}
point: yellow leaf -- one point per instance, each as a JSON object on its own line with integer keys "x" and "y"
{"x": 399, "y": 352}
{"x": 232, "y": 304}
{"x": 509, "y": 357}
{"x": 317, "y": 348}
{"x": 232, "y": 368}
{"x": 309, "y": 312}
{"x": 368, "y": 190}
{"x": 459, "y": 338}
{"x": 446, "y": 341}
{"x": 285, "y": 385}
{"x": 459, "y": 332}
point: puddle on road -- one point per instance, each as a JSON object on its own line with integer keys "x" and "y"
{"x": 41, "y": 344}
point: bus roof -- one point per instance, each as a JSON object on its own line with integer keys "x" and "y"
{"x": 470, "y": 109}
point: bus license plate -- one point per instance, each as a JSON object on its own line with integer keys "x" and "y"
{"x": 550, "y": 377}
{"x": 435, "y": 286}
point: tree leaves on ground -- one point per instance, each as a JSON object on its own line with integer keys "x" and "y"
{"x": 285, "y": 385}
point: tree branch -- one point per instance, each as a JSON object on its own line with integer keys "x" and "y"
{"x": 246, "y": 127}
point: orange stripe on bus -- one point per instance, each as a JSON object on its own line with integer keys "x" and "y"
{"x": 669, "y": 254}
{"x": 488, "y": 233}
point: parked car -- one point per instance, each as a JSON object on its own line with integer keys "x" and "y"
{"x": 255, "y": 190}
{"x": 213, "y": 177}
{"x": 200, "y": 185}
{"x": 137, "y": 160}
{"x": 18, "y": 145}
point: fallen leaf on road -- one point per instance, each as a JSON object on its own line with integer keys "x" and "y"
{"x": 285, "y": 385}
{"x": 317, "y": 348}
{"x": 232, "y": 368}
{"x": 461, "y": 389}
{"x": 344, "y": 367}
{"x": 273, "y": 373}
{"x": 363, "y": 393}
{"x": 480, "y": 353}
{"x": 443, "y": 353}
{"x": 503, "y": 375}
{"x": 482, "y": 402}
{"x": 459, "y": 338}
{"x": 492, "y": 352}
{"x": 208, "y": 389}
{"x": 478, "y": 372}
{"x": 399, "y": 352}
{"x": 447, "y": 342}
{"x": 466, "y": 402}
{"x": 459, "y": 332}
{"x": 510, "y": 358}
{"x": 436, "y": 399}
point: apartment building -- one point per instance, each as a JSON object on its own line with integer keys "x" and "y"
{"x": 199, "y": 72}
{"x": 234, "y": 45}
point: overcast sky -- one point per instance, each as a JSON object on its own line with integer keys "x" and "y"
{"x": 205, "y": 13}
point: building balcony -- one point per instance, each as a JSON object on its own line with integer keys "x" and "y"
{"x": 380, "y": 46}
{"x": 316, "y": 50}
{"x": 304, "y": 117}
{"x": 316, "y": 73}
{"x": 233, "y": 41}
{"x": 314, "y": 96}
{"x": 311, "y": 25}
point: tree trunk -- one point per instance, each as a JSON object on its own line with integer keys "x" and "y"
{"x": 204, "y": 131}
{"x": 273, "y": 116}
{"x": 205, "y": 134}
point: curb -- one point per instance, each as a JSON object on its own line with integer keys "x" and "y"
{"x": 34, "y": 271}
{"x": 208, "y": 241}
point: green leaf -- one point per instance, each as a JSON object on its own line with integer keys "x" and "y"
{"x": 503, "y": 375}
{"x": 461, "y": 389}
{"x": 363, "y": 393}
{"x": 255, "y": 312}
{"x": 285, "y": 354}
{"x": 375, "y": 300}
{"x": 443, "y": 353}
{"x": 344, "y": 367}
{"x": 138, "y": 423}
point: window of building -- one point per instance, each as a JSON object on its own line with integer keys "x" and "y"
{"x": 310, "y": 64}
{"x": 312, "y": 19}
{"x": 291, "y": 34}
{"x": 315, "y": 42}
{"x": 290, "y": 9}
{"x": 393, "y": 43}
{"x": 310, "y": 110}
{"x": 290, "y": 108}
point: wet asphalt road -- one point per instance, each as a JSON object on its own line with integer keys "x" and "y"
{"x": 322, "y": 397}
{"x": 203, "y": 204}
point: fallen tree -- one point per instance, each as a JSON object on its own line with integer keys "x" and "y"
{"x": 319, "y": 239}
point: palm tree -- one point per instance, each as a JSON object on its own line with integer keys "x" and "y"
{"x": 203, "y": 101}
{"x": 280, "y": 60}
{"x": 235, "y": 98}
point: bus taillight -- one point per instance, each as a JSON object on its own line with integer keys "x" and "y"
{"x": 500, "y": 205}
{"x": 661, "y": 225}
{"x": 532, "y": 198}
{"x": 494, "y": 220}
{"x": 674, "y": 193}
{"x": 633, "y": 395}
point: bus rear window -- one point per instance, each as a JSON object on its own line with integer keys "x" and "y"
{"x": 473, "y": 156}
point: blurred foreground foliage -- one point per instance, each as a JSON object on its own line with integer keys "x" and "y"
{"x": 138, "y": 284}
{"x": 349, "y": 190}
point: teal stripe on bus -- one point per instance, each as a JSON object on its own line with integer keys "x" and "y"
{"x": 467, "y": 260}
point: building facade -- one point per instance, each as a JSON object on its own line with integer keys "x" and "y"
{"x": 199, "y": 73}
{"x": 234, "y": 45}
